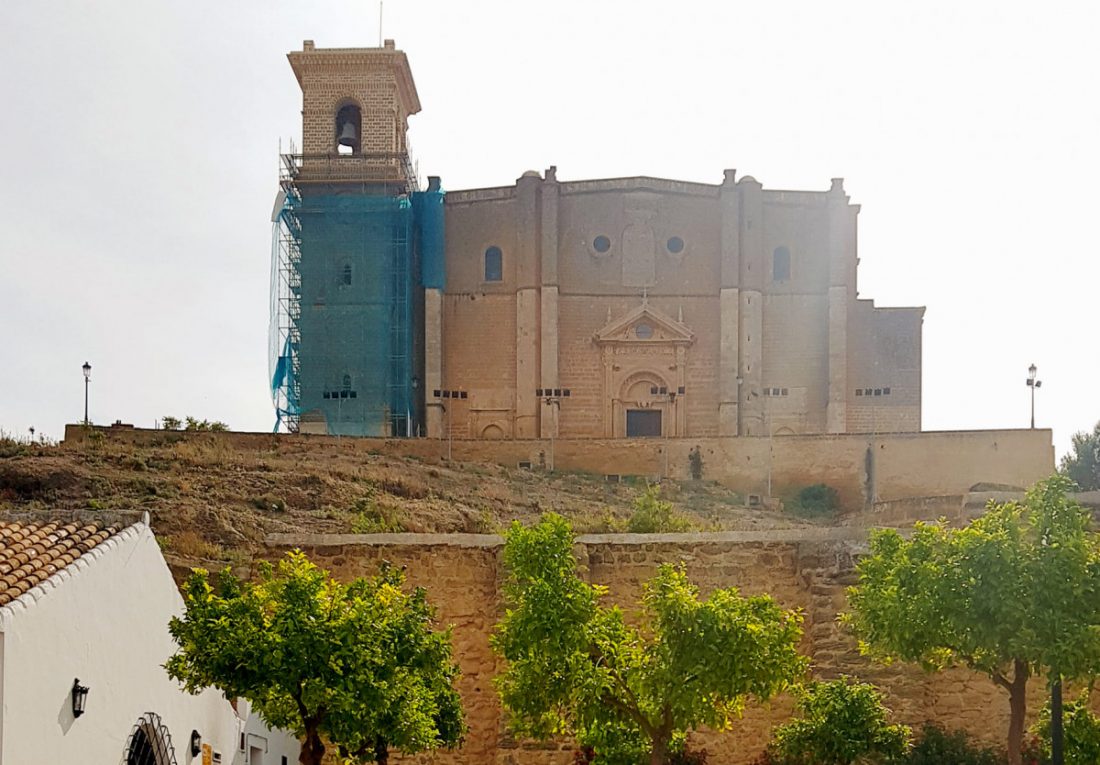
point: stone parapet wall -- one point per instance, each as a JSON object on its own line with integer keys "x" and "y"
{"x": 864, "y": 469}
{"x": 804, "y": 569}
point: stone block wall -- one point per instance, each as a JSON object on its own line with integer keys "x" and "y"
{"x": 804, "y": 569}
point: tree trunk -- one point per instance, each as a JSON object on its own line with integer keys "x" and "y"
{"x": 381, "y": 751}
{"x": 1057, "y": 756}
{"x": 313, "y": 750}
{"x": 658, "y": 755}
{"x": 1017, "y": 703}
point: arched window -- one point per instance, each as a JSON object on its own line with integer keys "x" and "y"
{"x": 347, "y": 382}
{"x": 149, "y": 743}
{"x": 345, "y": 275}
{"x": 494, "y": 265}
{"x": 781, "y": 265}
{"x": 348, "y": 129}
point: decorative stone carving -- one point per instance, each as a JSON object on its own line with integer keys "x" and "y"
{"x": 641, "y": 350}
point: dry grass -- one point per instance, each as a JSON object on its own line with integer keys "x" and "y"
{"x": 212, "y": 502}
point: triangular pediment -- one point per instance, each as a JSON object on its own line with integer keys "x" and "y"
{"x": 645, "y": 324}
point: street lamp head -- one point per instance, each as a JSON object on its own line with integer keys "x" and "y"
{"x": 87, "y": 370}
{"x": 1031, "y": 372}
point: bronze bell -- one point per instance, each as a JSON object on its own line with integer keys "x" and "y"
{"x": 348, "y": 135}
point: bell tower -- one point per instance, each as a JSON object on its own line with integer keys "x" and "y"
{"x": 347, "y": 287}
{"x": 356, "y": 104}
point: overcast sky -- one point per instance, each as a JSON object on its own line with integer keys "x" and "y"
{"x": 140, "y": 144}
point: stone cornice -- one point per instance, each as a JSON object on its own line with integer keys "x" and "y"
{"x": 358, "y": 60}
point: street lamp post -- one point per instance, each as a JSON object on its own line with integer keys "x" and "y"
{"x": 87, "y": 379}
{"x": 1033, "y": 384}
{"x": 1056, "y": 721}
{"x": 666, "y": 394}
{"x": 552, "y": 397}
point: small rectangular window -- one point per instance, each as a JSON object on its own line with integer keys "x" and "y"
{"x": 886, "y": 391}
{"x": 859, "y": 391}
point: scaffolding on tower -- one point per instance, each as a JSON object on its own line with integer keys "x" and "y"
{"x": 284, "y": 332}
{"x": 346, "y": 249}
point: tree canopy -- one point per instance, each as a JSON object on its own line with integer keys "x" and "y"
{"x": 1015, "y": 593}
{"x": 1082, "y": 464}
{"x": 575, "y": 666}
{"x": 355, "y": 664}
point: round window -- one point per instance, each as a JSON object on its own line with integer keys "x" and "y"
{"x": 675, "y": 245}
{"x": 643, "y": 331}
{"x": 601, "y": 244}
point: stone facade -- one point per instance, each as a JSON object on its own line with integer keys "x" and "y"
{"x": 722, "y": 310}
{"x": 663, "y": 307}
{"x": 804, "y": 569}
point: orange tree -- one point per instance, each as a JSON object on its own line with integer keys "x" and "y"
{"x": 357, "y": 665}
{"x": 574, "y": 666}
{"x": 1014, "y": 594}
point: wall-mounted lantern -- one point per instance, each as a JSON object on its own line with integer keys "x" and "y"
{"x": 80, "y": 697}
{"x": 196, "y": 743}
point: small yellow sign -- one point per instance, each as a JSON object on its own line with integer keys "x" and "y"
{"x": 207, "y": 754}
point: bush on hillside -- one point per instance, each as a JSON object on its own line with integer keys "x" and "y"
{"x": 816, "y": 501}
{"x": 652, "y": 515}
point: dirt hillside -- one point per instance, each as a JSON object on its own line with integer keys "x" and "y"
{"x": 211, "y": 504}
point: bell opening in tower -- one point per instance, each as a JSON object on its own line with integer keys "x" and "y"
{"x": 349, "y": 123}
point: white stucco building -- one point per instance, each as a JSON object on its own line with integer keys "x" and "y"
{"x": 90, "y": 606}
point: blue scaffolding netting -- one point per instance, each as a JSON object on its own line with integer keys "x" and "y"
{"x": 345, "y": 335}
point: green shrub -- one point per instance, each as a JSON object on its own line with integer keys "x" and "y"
{"x": 1080, "y": 730}
{"x": 269, "y": 503}
{"x": 841, "y": 723}
{"x": 652, "y": 515}
{"x": 939, "y": 747}
{"x": 816, "y": 501}
{"x": 371, "y": 517}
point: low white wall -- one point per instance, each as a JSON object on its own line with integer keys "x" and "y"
{"x": 104, "y": 620}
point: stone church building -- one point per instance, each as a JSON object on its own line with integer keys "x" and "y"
{"x": 607, "y": 308}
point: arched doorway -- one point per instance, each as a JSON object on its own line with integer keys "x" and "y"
{"x": 149, "y": 743}
{"x": 643, "y": 412}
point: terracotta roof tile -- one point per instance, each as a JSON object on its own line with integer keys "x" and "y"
{"x": 31, "y": 553}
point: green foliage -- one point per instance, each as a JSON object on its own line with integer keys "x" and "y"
{"x": 816, "y": 501}
{"x": 357, "y": 665}
{"x": 373, "y": 517}
{"x": 574, "y": 666}
{"x": 1080, "y": 732}
{"x": 1082, "y": 465}
{"x": 1015, "y": 592}
{"x": 652, "y": 515}
{"x": 695, "y": 463}
{"x": 936, "y": 746}
{"x": 841, "y": 723}
{"x": 192, "y": 424}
